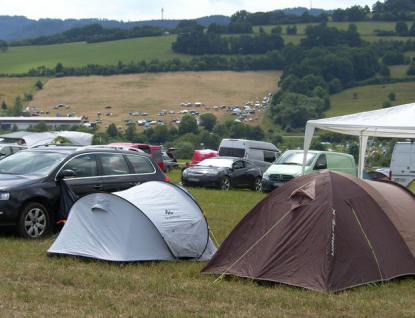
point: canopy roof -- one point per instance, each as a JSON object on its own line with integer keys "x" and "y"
{"x": 74, "y": 137}
{"x": 397, "y": 122}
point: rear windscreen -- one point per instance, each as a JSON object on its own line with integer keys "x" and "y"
{"x": 232, "y": 152}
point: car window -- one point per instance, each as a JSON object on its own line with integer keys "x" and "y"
{"x": 238, "y": 165}
{"x": 321, "y": 162}
{"x": 157, "y": 155}
{"x": 141, "y": 164}
{"x": 84, "y": 166}
{"x": 31, "y": 162}
{"x": 113, "y": 164}
{"x": 6, "y": 151}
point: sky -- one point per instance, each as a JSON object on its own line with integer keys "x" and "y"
{"x": 141, "y": 10}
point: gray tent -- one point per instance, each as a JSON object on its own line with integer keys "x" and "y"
{"x": 153, "y": 221}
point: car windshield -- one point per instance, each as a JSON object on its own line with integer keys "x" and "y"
{"x": 31, "y": 162}
{"x": 295, "y": 158}
{"x": 220, "y": 163}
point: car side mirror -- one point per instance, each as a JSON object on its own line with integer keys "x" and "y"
{"x": 320, "y": 166}
{"x": 66, "y": 173}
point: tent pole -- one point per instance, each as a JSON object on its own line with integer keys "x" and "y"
{"x": 309, "y": 131}
{"x": 362, "y": 152}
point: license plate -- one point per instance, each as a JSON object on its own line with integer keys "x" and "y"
{"x": 193, "y": 179}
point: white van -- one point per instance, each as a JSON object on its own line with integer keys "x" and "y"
{"x": 261, "y": 153}
{"x": 402, "y": 167}
{"x": 290, "y": 165}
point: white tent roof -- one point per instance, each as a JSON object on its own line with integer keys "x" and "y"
{"x": 152, "y": 221}
{"x": 397, "y": 122}
{"x": 75, "y": 137}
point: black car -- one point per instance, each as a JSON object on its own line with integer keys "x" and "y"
{"x": 223, "y": 173}
{"x": 29, "y": 181}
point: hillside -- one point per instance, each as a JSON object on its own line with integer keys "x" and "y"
{"x": 13, "y": 28}
{"x": 152, "y": 93}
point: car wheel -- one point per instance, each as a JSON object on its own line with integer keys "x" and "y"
{"x": 225, "y": 183}
{"x": 33, "y": 221}
{"x": 257, "y": 184}
{"x": 168, "y": 169}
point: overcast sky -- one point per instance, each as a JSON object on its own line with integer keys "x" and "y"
{"x": 140, "y": 10}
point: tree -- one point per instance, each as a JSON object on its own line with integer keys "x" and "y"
{"x": 130, "y": 132}
{"x": 59, "y": 68}
{"x": 385, "y": 70}
{"x": 112, "y": 130}
{"x": 401, "y": 28}
{"x": 40, "y": 127}
{"x": 39, "y": 84}
{"x": 411, "y": 70}
{"x": 17, "y": 109}
{"x": 4, "y": 46}
{"x": 4, "y": 105}
{"x": 392, "y": 96}
{"x": 188, "y": 124}
{"x": 209, "y": 121}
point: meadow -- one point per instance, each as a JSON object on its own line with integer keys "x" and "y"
{"x": 35, "y": 284}
{"x": 152, "y": 93}
{"x": 19, "y": 60}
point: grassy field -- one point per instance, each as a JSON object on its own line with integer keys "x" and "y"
{"x": 34, "y": 284}
{"x": 152, "y": 93}
{"x": 18, "y": 60}
{"x": 369, "y": 98}
{"x": 21, "y": 59}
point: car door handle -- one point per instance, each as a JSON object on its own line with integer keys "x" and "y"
{"x": 98, "y": 186}
{"x": 134, "y": 183}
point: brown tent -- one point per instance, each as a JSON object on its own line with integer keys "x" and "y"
{"x": 325, "y": 231}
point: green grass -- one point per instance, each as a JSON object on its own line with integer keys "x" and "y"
{"x": 35, "y": 284}
{"x": 21, "y": 59}
{"x": 369, "y": 98}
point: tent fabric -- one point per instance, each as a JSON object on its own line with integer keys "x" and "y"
{"x": 75, "y": 137}
{"x": 67, "y": 198}
{"x": 411, "y": 186}
{"x": 152, "y": 221}
{"x": 396, "y": 122}
{"x": 351, "y": 233}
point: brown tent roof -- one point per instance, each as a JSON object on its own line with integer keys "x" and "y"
{"x": 326, "y": 231}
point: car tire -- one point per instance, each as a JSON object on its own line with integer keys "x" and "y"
{"x": 257, "y": 185}
{"x": 225, "y": 183}
{"x": 168, "y": 169}
{"x": 34, "y": 221}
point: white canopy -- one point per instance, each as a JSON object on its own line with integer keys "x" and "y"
{"x": 75, "y": 137}
{"x": 396, "y": 122}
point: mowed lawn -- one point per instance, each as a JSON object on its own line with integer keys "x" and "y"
{"x": 35, "y": 284}
{"x": 154, "y": 92}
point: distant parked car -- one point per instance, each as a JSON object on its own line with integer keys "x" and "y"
{"x": 29, "y": 189}
{"x": 168, "y": 163}
{"x": 223, "y": 173}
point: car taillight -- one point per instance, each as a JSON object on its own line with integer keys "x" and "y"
{"x": 167, "y": 179}
{"x": 390, "y": 175}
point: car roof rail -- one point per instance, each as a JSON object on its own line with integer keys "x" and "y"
{"x": 110, "y": 147}
{"x": 54, "y": 145}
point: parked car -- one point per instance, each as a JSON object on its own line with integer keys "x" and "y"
{"x": 290, "y": 165}
{"x": 153, "y": 150}
{"x": 168, "y": 163}
{"x": 224, "y": 173}
{"x": 8, "y": 149}
{"x": 29, "y": 181}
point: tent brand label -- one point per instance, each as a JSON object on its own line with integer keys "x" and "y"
{"x": 333, "y": 225}
{"x": 170, "y": 215}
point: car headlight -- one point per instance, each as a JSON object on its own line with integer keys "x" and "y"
{"x": 265, "y": 176}
{"x": 4, "y": 196}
